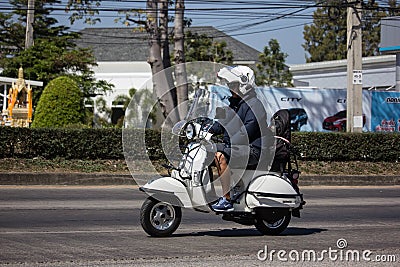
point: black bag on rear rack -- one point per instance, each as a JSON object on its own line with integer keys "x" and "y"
{"x": 281, "y": 121}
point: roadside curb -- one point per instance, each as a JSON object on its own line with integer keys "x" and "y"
{"x": 56, "y": 178}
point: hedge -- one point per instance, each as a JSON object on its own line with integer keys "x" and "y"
{"x": 348, "y": 146}
{"x": 107, "y": 144}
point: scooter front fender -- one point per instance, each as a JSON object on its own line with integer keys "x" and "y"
{"x": 168, "y": 189}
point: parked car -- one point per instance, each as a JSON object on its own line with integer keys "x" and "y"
{"x": 338, "y": 121}
{"x": 298, "y": 118}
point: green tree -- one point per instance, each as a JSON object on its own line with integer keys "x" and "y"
{"x": 326, "y": 38}
{"x": 13, "y": 25}
{"x": 60, "y": 105}
{"x": 54, "y": 52}
{"x": 200, "y": 47}
{"x": 272, "y": 69}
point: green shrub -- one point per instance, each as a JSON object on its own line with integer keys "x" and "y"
{"x": 106, "y": 143}
{"x": 348, "y": 146}
{"x": 60, "y": 105}
{"x": 50, "y": 143}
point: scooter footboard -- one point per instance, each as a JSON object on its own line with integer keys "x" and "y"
{"x": 273, "y": 192}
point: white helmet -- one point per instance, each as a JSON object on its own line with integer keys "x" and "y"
{"x": 241, "y": 74}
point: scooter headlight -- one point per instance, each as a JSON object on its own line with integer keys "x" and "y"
{"x": 190, "y": 131}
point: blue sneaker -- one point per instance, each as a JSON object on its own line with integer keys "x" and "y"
{"x": 222, "y": 205}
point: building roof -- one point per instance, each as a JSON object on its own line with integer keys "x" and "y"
{"x": 379, "y": 72}
{"x": 372, "y": 62}
{"x": 126, "y": 44}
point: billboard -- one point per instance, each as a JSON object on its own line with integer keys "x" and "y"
{"x": 385, "y": 112}
{"x": 322, "y": 110}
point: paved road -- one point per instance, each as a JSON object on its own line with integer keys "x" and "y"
{"x": 99, "y": 226}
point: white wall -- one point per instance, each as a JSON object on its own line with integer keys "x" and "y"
{"x": 124, "y": 76}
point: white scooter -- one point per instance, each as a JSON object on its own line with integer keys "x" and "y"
{"x": 261, "y": 198}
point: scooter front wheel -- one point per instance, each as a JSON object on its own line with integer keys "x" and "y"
{"x": 272, "y": 226}
{"x": 158, "y": 218}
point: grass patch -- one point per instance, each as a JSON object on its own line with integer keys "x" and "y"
{"x": 120, "y": 166}
{"x": 62, "y": 165}
{"x": 349, "y": 168}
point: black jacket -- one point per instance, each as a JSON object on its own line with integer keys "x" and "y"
{"x": 245, "y": 122}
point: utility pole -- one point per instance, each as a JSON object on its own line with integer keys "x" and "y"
{"x": 29, "y": 24}
{"x": 354, "y": 67}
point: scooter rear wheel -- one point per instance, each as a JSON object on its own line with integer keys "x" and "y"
{"x": 159, "y": 219}
{"x": 272, "y": 227}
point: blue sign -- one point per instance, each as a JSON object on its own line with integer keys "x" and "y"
{"x": 385, "y": 112}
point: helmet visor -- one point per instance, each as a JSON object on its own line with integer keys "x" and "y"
{"x": 230, "y": 84}
{"x": 233, "y": 86}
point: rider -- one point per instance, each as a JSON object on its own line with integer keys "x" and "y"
{"x": 242, "y": 142}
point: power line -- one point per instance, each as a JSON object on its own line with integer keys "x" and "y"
{"x": 268, "y": 20}
{"x": 257, "y": 15}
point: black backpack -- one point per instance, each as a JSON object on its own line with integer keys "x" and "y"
{"x": 281, "y": 119}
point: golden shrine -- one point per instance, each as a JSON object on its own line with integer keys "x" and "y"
{"x": 19, "y": 103}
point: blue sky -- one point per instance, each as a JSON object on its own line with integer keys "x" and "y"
{"x": 290, "y": 39}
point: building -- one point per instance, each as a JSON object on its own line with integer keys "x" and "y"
{"x": 379, "y": 73}
{"x": 121, "y": 55}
